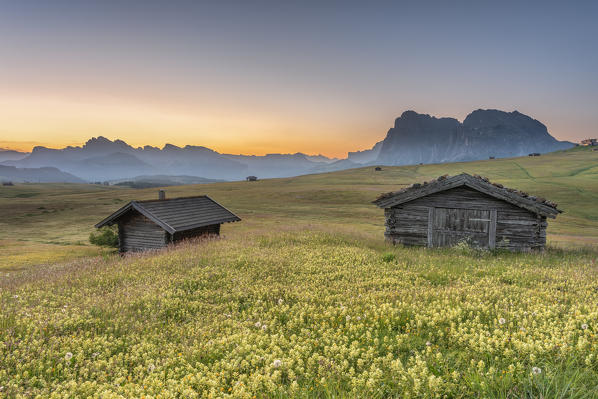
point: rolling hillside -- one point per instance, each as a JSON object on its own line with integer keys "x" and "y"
{"x": 50, "y": 222}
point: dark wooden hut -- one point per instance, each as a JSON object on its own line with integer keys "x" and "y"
{"x": 251, "y": 178}
{"x": 466, "y": 208}
{"x": 153, "y": 224}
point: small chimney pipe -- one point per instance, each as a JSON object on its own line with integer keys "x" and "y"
{"x": 162, "y": 195}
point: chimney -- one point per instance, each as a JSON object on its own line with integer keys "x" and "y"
{"x": 161, "y": 195}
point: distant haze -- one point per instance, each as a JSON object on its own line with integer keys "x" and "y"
{"x": 414, "y": 139}
{"x": 285, "y": 77}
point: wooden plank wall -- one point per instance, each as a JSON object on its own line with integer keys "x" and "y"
{"x": 138, "y": 233}
{"x": 516, "y": 228}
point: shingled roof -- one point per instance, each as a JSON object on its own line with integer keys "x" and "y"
{"x": 177, "y": 214}
{"x": 521, "y": 199}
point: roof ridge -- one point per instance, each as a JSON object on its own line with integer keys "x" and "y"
{"x": 529, "y": 200}
{"x": 171, "y": 199}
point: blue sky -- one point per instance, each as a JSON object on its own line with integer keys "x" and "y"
{"x": 258, "y": 77}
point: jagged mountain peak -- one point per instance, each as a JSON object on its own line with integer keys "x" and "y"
{"x": 421, "y": 138}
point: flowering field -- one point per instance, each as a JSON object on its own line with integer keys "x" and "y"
{"x": 303, "y": 314}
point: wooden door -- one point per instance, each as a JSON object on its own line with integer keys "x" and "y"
{"x": 449, "y": 226}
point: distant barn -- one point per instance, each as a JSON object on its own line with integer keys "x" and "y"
{"x": 377, "y": 168}
{"x": 466, "y": 208}
{"x": 251, "y": 178}
{"x": 153, "y": 224}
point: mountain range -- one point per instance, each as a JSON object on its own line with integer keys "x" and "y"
{"x": 414, "y": 138}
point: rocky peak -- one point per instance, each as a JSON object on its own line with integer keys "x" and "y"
{"x": 421, "y": 138}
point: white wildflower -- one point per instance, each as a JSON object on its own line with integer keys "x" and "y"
{"x": 536, "y": 370}
{"x": 348, "y": 318}
{"x": 502, "y": 320}
{"x": 428, "y": 343}
{"x": 15, "y": 296}
{"x": 258, "y": 324}
{"x": 94, "y": 355}
{"x": 584, "y": 326}
{"x": 68, "y": 356}
{"x": 280, "y": 301}
{"x": 277, "y": 363}
{"x": 151, "y": 368}
{"x": 264, "y": 327}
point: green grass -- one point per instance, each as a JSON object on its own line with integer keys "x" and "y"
{"x": 345, "y": 314}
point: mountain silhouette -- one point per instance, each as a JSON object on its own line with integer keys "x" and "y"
{"x": 421, "y": 138}
{"x": 415, "y": 138}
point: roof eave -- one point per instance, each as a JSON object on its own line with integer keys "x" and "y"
{"x": 521, "y": 202}
{"x": 110, "y": 219}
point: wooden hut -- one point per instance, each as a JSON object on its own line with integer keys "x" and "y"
{"x": 251, "y": 178}
{"x": 466, "y": 208}
{"x": 153, "y": 224}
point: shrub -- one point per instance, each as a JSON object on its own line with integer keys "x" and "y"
{"x": 388, "y": 257}
{"x": 105, "y": 237}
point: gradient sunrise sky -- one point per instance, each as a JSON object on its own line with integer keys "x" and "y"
{"x": 258, "y": 77}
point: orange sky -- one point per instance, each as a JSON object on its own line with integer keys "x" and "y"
{"x": 57, "y": 121}
{"x": 256, "y": 78}
{"x": 30, "y": 120}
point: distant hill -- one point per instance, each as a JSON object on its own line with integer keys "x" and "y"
{"x": 418, "y": 138}
{"x": 334, "y": 166}
{"x": 11, "y": 155}
{"x": 36, "y": 175}
{"x": 276, "y": 165}
{"x": 163, "y": 181}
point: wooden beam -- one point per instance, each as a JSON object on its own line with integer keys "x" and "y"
{"x": 492, "y": 230}
{"x": 430, "y": 226}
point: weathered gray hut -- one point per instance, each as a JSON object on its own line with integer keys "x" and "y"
{"x": 467, "y": 208}
{"x": 153, "y": 224}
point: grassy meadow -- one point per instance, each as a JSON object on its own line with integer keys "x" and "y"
{"x": 303, "y": 298}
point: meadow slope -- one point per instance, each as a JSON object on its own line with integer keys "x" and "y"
{"x": 303, "y": 298}
{"x": 46, "y": 223}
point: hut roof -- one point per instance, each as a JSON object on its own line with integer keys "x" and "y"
{"x": 177, "y": 214}
{"x": 521, "y": 199}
